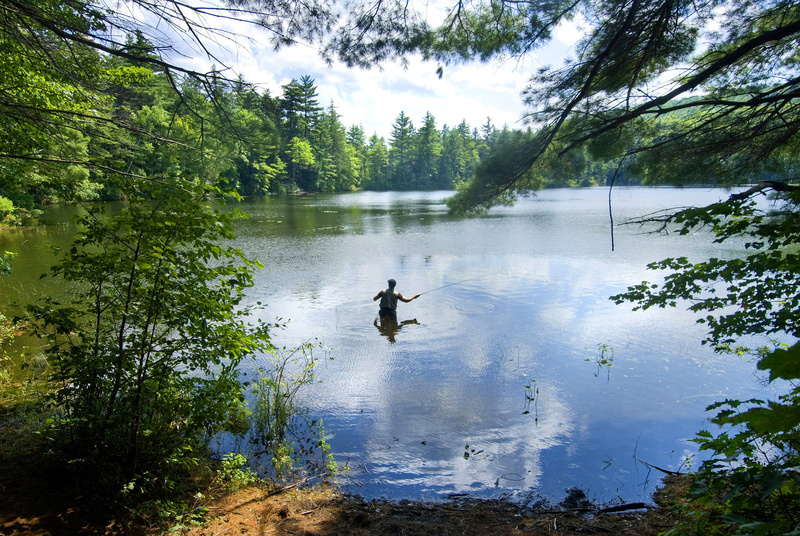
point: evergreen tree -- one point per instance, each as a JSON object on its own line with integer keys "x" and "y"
{"x": 300, "y": 107}
{"x": 401, "y": 154}
{"x": 299, "y": 112}
{"x": 459, "y": 156}
{"x": 336, "y": 168}
{"x": 309, "y": 106}
{"x": 428, "y": 149}
{"x": 292, "y": 124}
{"x": 357, "y": 140}
{"x": 377, "y": 164}
{"x": 488, "y": 133}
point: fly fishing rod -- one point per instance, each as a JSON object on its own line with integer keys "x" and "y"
{"x": 459, "y": 282}
{"x": 447, "y": 285}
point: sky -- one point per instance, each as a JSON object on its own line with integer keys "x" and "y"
{"x": 374, "y": 98}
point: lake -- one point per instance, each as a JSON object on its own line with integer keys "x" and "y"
{"x": 493, "y": 386}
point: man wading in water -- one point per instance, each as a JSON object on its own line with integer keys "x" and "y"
{"x": 389, "y": 300}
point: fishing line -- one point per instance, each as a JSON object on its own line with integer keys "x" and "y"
{"x": 440, "y": 288}
{"x": 460, "y": 282}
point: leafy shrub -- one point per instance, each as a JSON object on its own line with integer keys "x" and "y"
{"x": 148, "y": 350}
{"x": 6, "y": 207}
{"x": 235, "y": 472}
{"x": 751, "y": 482}
{"x": 281, "y": 430}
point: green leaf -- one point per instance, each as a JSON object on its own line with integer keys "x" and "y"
{"x": 775, "y": 419}
{"x": 782, "y": 363}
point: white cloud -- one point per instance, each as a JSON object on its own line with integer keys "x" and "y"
{"x": 571, "y": 31}
{"x": 374, "y": 98}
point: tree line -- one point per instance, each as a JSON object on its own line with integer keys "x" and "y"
{"x": 226, "y": 133}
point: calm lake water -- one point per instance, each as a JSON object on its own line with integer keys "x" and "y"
{"x": 494, "y": 389}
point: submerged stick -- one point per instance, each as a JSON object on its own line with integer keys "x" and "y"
{"x": 657, "y": 468}
{"x": 623, "y": 508}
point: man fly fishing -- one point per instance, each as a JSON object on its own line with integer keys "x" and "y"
{"x": 389, "y": 299}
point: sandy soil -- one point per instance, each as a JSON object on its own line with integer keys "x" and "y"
{"x": 35, "y": 503}
{"x": 323, "y": 513}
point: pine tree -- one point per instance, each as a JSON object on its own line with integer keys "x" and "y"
{"x": 401, "y": 154}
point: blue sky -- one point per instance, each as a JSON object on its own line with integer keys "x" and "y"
{"x": 374, "y": 98}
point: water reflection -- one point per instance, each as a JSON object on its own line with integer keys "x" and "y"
{"x": 389, "y": 327}
{"x": 501, "y": 364}
{"x": 500, "y": 370}
{"x": 415, "y": 442}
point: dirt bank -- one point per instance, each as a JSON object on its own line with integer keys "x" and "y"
{"x": 40, "y": 498}
{"x": 35, "y": 503}
{"x": 326, "y": 513}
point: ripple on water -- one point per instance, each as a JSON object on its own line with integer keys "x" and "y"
{"x": 474, "y": 307}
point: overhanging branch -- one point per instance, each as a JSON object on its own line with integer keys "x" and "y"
{"x": 762, "y": 186}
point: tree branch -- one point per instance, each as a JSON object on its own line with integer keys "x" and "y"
{"x": 715, "y": 67}
{"x": 759, "y": 188}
